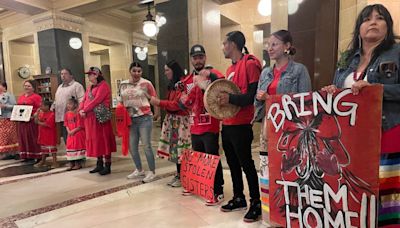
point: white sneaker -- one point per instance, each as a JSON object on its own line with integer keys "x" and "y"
{"x": 149, "y": 177}
{"x": 173, "y": 180}
{"x": 136, "y": 174}
{"x": 177, "y": 183}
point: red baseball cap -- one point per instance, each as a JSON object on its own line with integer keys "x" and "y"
{"x": 94, "y": 70}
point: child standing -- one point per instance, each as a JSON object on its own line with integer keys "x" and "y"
{"x": 76, "y": 135}
{"x": 47, "y": 139}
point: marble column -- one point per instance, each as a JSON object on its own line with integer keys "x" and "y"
{"x": 172, "y": 39}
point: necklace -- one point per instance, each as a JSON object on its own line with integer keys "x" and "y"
{"x": 358, "y": 78}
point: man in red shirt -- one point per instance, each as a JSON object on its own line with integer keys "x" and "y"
{"x": 237, "y": 132}
{"x": 204, "y": 128}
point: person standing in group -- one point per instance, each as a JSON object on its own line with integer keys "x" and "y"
{"x": 134, "y": 93}
{"x": 373, "y": 57}
{"x": 8, "y": 128}
{"x": 47, "y": 139}
{"x": 286, "y": 76}
{"x": 28, "y": 131}
{"x": 76, "y": 135}
{"x": 204, "y": 128}
{"x": 95, "y": 111}
{"x": 175, "y": 132}
{"x": 237, "y": 132}
{"x": 68, "y": 88}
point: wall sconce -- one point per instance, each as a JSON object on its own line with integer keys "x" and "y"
{"x": 141, "y": 53}
{"x": 75, "y": 43}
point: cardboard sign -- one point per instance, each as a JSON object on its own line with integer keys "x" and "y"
{"x": 198, "y": 173}
{"x": 21, "y": 113}
{"x": 324, "y": 158}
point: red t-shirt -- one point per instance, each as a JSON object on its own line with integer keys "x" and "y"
{"x": 47, "y": 134}
{"x": 242, "y": 73}
{"x": 34, "y": 100}
{"x": 277, "y": 77}
{"x": 390, "y": 140}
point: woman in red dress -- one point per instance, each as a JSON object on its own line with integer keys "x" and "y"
{"x": 100, "y": 139}
{"x": 28, "y": 131}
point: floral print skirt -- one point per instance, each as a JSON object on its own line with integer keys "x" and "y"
{"x": 175, "y": 137}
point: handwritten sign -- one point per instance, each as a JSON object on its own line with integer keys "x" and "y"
{"x": 21, "y": 113}
{"x": 324, "y": 158}
{"x": 198, "y": 173}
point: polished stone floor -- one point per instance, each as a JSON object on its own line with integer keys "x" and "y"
{"x": 44, "y": 197}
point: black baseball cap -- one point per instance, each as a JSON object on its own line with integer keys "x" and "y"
{"x": 197, "y": 49}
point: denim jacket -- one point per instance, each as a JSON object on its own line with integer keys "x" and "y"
{"x": 295, "y": 79}
{"x": 9, "y": 101}
{"x": 389, "y": 79}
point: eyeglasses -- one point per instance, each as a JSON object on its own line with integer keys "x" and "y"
{"x": 272, "y": 45}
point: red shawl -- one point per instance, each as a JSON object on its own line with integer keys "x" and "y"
{"x": 123, "y": 121}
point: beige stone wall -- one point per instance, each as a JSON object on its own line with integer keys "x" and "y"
{"x": 118, "y": 33}
{"x": 17, "y": 54}
{"x": 246, "y": 15}
{"x": 204, "y": 29}
{"x": 349, "y": 10}
{"x": 279, "y": 15}
{"x": 21, "y": 54}
{"x": 394, "y": 8}
{"x": 119, "y": 64}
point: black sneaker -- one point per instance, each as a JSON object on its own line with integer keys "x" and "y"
{"x": 254, "y": 212}
{"x": 235, "y": 204}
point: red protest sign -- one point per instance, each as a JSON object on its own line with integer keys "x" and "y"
{"x": 324, "y": 158}
{"x": 198, "y": 173}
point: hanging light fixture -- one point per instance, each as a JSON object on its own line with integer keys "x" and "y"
{"x": 141, "y": 53}
{"x": 149, "y": 25}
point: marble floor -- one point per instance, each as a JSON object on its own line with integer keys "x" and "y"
{"x": 57, "y": 198}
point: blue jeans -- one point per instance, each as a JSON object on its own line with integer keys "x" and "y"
{"x": 141, "y": 129}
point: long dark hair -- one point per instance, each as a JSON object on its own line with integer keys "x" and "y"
{"x": 285, "y": 37}
{"x": 238, "y": 38}
{"x": 386, "y": 44}
{"x": 177, "y": 73}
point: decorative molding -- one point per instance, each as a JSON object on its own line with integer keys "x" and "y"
{"x": 59, "y": 20}
{"x": 139, "y": 39}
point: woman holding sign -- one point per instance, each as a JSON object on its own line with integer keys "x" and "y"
{"x": 8, "y": 129}
{"x": 28, "y": 131}
{"x": 373, "y": 57}
{"x": 286, "y": 76}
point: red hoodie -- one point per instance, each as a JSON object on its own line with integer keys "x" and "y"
{"x": 201, "y": 121}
